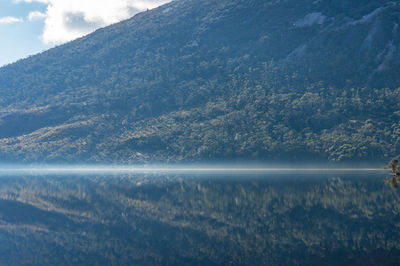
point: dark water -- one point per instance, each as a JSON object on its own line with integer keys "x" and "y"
{"x": 271, "y": 219}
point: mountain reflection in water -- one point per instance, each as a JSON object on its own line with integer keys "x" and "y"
{"x": 268, "y": 219}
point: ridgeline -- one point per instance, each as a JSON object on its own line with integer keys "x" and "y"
{"x": 214, "y": 79}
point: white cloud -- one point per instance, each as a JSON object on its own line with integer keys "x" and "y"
{"x": 31, "y": 1}
{"x": 36, "y": 15}
{"x": 66, "y": 20}
{"x": 9, "y": 20}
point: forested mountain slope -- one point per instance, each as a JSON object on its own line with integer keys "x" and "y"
{"x": 207, "y": 79}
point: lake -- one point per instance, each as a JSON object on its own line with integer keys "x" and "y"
{"x": 289, "y": 218}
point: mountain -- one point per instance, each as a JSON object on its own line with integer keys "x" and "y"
{"x": 214, "y": 79}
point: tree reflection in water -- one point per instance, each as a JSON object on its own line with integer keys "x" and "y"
{"x": 198, "y": 220}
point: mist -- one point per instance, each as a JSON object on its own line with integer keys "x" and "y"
{"x": 100, "y": 169}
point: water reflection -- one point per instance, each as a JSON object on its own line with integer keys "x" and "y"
{"x": 144, "y": 219}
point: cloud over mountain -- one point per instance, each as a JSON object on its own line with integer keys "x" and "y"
{"x": 36, "y": 15}
{"x": 66, "y": 20}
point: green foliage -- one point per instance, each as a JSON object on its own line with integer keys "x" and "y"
{"x": 394, "y": 181}
{"x": 213, "y": 79}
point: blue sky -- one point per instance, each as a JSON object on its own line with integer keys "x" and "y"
{"x": 20, "y": 39}
{"x": 28, "y": 27}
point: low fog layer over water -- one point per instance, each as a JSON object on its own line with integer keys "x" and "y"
{"x": 165, "y": 169}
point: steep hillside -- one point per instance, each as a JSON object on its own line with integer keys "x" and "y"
{"x": 226, "y": 79}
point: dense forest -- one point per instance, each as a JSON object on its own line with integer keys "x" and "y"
{"x": 202, "y": 80}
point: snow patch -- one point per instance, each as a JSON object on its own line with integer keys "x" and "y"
{"x": 310, "y": 19}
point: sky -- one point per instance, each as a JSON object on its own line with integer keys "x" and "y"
{"x": 28, "y": 27}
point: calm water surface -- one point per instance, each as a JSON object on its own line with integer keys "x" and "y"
{"x": 248, "y": 219}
